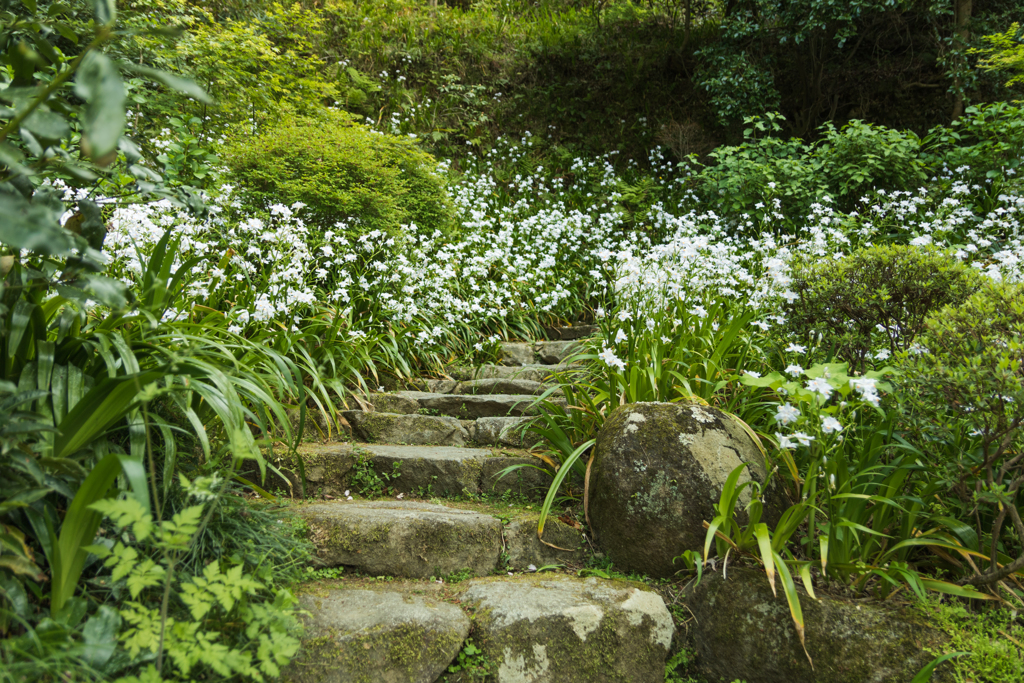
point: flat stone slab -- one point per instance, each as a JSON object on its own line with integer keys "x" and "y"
{"x": 498, "y": 385}
{"x": 408, "y": 429}
{"x": 504, "y": 431}
{"x": 473, "y": 406}
{"x": 545, "y": 629}
{"x": 403, "y": 539}
{"x": 524, "y": 548}
{"x": 534, "y": 372}
{"x": 528, "y": 482}
{"x": 570, "y": 333}
{"x": 366, "y": 636}
{"x": 555, "y": 352}
{"x": 516, "y": 353}
{"x": 429, "y": 471}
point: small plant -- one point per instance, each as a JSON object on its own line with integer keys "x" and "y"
{"x": 367, "y": 481}
{"x": 324, "y": 574}
{"x": 472, "y": 662}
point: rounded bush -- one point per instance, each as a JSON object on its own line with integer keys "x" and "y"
{"x": 875, "y": 297}
{"x": 344, "y": 173}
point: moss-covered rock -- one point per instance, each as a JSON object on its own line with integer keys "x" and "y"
{"x": 657, "y": 474}
{"x": 539, "y": 628}
{"x": 364, "y": 636}
{"x": 524, "y": 548}
{"x": 405, "y": 539}
{"x": 744, "y": 632}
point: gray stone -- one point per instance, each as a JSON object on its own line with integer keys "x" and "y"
{"x": 431, "y": 470}
{"x": 394, "y": 403}
{"x": 498, "y": 385}
{"x": 516, "y": 353}
{"x": 657, "y": 474}
{"x": 555, "y": 352}
{"x": 434, "y": 386}
{"x": 570, "y": 333}
{"x": 534, "y": 373}
{"x": 524, "y": 548}
{"x": 366, "y": 636}
{"x": 473, "y": 406}
{"x": 504, "y": 431}
{"x": 408, "y": 429}
{"x": 527, "y": 481}
{"x": 744, "y": 632}
{"x": 327, "y": 469}
{"x": 404, "y": 539}
{"x": 545, "y": 629}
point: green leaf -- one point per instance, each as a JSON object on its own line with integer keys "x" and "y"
{"x": 105, "y": 11}
{"x": 764, "y": 542}
{"x": 47, "y": 126}
{"x": 100, "y": 636}
{"x": 183, "y": 85}
{"x": 78, "y": 530}
{"x": 32, "y": 226}
{"x": 925, "y": 674}
{"x": 98, "y": 82}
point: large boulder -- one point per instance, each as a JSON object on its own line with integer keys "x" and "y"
{"x": 546, "y": 629}
{"x": 366, "y": 636}
{"x": 744, "y": 632}
{"x": 657, "y": 474}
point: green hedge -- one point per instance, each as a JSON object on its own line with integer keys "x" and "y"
{"x": 343, "y": 172}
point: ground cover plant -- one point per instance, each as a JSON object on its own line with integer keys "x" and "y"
{"x": 173, "y": 296}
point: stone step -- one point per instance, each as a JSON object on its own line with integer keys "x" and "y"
{"x": 426, "y": 471}
{"x": 544, "y": 352}
{"x": 409, "y": 539}
{"x": 355, "y": 634}
{"x": 534, "y": 628}
{"x": 543, "y": 627}
{"x": 462, "y": 406}
{"x": 571, "y": 333}
{"x": 494, "y": 385}
{"x": 429, "y": 471}
{"x": 438, "y": 430}
{"x": 534, "y": 372}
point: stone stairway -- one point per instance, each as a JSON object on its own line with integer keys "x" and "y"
{"x": 439, "y": 448}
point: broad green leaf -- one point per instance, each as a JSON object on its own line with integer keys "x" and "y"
{"x": 98, "y": 82}
{"x": 32, "y": 226}
{"x": 183, "y": 85}
{"x": 105, "y": 11}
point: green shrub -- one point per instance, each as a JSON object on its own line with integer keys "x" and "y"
{"x": 990, "y": 659}
{"x": 875, "y": 297}
{"x": 344, "y": 173}
{"x": 969, "y": 380}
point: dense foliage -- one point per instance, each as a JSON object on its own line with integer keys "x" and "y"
{"x": 221, "y": 218}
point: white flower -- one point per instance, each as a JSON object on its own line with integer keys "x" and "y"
{"x": 882, "y": 355}
{"x": 752, "y": 373}
{"x": 786, "y": 414}
{"x": 532, "y": 568}
{"x": 795, "y": 348}
{"x": 820, "y": 386}
{"x": 830, "y": 425}
{"x": 804, "y": 439}
{"x": 611, "y": 360}
{"x": 794, "y": 369}
{"x": 620, "y": 337}
{"x": 784, "y": 441}
{"x": 399, "y": 496}
{"x": 790, "y": 296}
{"x": 666, "y": 340}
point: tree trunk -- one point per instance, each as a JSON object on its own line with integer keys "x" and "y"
{"x": 961, "y": 18}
